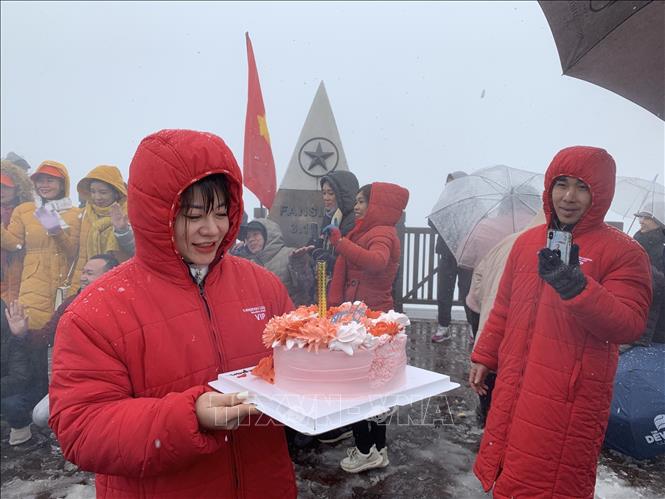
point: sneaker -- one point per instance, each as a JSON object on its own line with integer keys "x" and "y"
{"x": 442, "y": 334}
{"x": 356, "y": 461}
{"x": 19, "y": 436}
{"x": 332, "y": 436}
{"x": 384, "y": 457}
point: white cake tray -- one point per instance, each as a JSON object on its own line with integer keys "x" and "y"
{"x": 316, "y": 414}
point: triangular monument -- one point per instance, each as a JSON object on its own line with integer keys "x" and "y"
{"x": 298, "y": 203}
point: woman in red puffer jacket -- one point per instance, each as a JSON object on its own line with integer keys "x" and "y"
{"x": 365, "y": 270}
{"x": 369, "y": 255}
{"x": 134, "y": 353}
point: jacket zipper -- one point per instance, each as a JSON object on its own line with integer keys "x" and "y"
{"x": 221, "y": 368}
{"x": 213, "y": 331}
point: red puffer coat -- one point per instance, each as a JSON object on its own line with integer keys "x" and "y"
{"x": 138, "y": 347}
{"x": 556, "y": 359}
{"x": 369, "y": 254}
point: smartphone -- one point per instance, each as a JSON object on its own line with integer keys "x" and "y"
{"x": 560, "y": 242}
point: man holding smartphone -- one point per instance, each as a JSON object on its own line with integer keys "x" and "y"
{"x": 553, "y": 333}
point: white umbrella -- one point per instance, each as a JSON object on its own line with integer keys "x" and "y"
{"x": 634, "y": 194}
{"x": 476, "y": 211}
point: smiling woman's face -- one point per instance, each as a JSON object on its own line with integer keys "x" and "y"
{"x": 329, "y": 198}
{"x": 102, "y": 194}
{"x": 199, "y": 234}
{"x": 49, "y": 187}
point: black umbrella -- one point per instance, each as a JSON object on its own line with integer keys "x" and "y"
{"x": 617, "y": 45}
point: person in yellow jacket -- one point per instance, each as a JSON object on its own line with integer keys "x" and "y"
{"x": 47, "y": 229}
{"x": 104, "y": 224}
{"x": 15, "y": 188}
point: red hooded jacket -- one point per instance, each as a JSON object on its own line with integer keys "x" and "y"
{"x": 137, "y": 348}
{"x": 556, "y": 358}
{"x": 369, "y": 255}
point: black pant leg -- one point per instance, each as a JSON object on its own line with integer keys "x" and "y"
{"x": 447, "y": 275}
{"x": 463, "y": 285}
{"x": 378, "y": 432}
{"x": 362, "y": 436}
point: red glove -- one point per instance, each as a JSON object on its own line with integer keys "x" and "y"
{"x": 334, "y": 235}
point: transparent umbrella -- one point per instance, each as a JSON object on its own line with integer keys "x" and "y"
{"x": 634, "y": 194}
{"x": 476, "y": 211}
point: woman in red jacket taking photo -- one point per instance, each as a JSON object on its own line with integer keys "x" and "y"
{"x": 365, "y": 270}
{"x": 134, "y": 353}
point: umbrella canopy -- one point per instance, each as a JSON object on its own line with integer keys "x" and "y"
{"x": 633, "y": 195}
{"x": 637, "y": 415}
{"x": 616, "y": 45}
{"x": 475, "y": 212}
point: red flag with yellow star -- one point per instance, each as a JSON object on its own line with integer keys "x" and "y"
{"x": 258, "y": 163}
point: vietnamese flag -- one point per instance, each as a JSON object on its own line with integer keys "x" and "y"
{"x": 258, "y": 163}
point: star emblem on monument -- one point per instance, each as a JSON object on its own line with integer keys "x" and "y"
{"x": 318, "y": 157}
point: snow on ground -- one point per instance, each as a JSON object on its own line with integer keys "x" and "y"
{"x": 610, "y": 486}
{"x": 61, "y": 487}
{"x": 432, "y": 459}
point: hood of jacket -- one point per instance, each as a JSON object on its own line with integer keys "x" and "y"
{"x": 593, "y": 166}
{"x": 24, "y": 187}
{"x": 345, "y": 184}
{"x": 58, "y": 166}
{"x": 106, "y": 173}
{"x": 164, "y": 165}
{"x": 386, "y": 204}
{"x": 274, "y": 239}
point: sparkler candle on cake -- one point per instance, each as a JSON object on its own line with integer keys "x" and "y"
{"x": 321, "y": 287}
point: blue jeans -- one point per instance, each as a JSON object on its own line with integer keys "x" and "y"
{"x": 17, "y": 409}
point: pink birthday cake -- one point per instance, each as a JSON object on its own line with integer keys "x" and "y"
{"x": 350, "y": 352}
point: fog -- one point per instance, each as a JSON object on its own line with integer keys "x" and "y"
{"x": 418, "y": 89}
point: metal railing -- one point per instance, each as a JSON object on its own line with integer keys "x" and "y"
{"x": 416, "y": 281}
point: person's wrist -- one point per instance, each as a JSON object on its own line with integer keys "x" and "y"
{"x": 21, "y": 332}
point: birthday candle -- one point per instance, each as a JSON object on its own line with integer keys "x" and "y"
{"x": 321, "y": 278}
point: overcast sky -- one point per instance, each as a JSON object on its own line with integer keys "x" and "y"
{"x": 418, "y": 89}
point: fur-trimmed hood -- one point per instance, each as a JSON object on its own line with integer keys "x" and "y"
{"x": 24, "y": 187}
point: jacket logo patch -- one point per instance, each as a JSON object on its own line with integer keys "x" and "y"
{"x": 259, "y": 312}
{"x": 584, "y": 260}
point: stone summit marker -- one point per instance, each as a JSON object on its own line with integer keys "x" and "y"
{"x": 298, "y": 202}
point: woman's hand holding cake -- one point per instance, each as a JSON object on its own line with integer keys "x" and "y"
{"x": 223, "y": 411}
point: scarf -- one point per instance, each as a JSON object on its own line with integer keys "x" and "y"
{"x": 55, "y": 206}
{"x": 101, "y": 238}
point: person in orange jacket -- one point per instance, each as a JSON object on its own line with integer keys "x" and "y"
{"x": 15, "y": 188}
{"x": 104, "y": 225}
{"x": 47, "y": 229}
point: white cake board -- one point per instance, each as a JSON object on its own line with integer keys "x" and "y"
{"x": 316, "y": 414}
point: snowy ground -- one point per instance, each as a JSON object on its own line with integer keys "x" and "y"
{"x": 432, "y": 458}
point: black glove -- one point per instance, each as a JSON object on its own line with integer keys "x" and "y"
{"x": 567, "y": 280}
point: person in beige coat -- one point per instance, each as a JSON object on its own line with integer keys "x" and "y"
{"x": 484, "y": 286}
